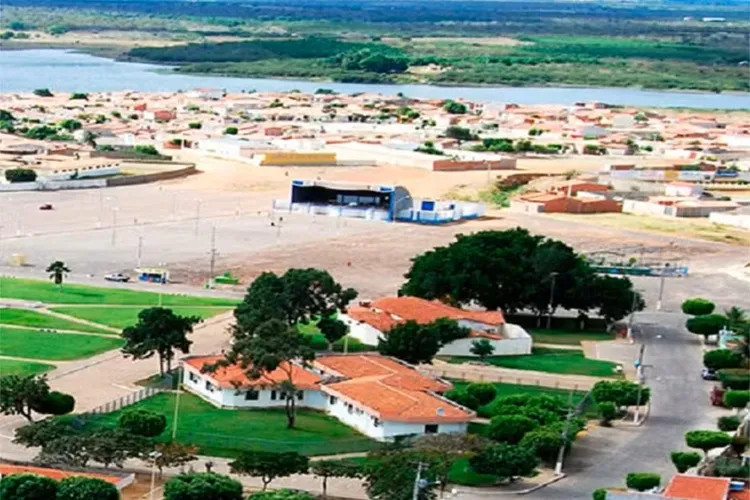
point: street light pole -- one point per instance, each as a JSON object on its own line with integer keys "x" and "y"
{"x": 177, "y": 401}
{"x": 212, "y": 262}
{"x": 661, "y": 287}
{"x": 641, "y": 379}
{"x": 114, "y": 225}
{"x": 632, "y": 314}
{"x": 553, "y": 276}
{"x": 417, "y": 482}
{"x": 139, "y": 255}
{"x": 566, "y": 430}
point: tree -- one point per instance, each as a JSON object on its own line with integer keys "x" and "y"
{"x": 642, "y": 481}
{"x": 172, "y": 454}
{"x": 334, "y": 468}
{"x": 545, "y": 442}
{"x": 698, "y": 307}
{"x": 706, "y": 440}
{"x": 230, "y": 131}
{"x": 460, "y": 134}
{"x": 620, "y": 392}
{"x": 43, "y": 93}
{"x": 71, "y": 450}
{"x": 442, "y": 450}
{"x": 447, "y": 330}
{"x": 483, "y": 391}
{"x": 142, "y": 422}
{"x": 599, "y": 494}
{"x": 615, "y": 297}
{"x": 38, "y": 434}
{"x": 281, "y": 495}
{"x": 58, "y": 270}
{"x": 18, "y": 393}
{"x": 410, "y": 342}
{"x": 607, "y": 412}
{"x": 159, "y": 332}
{"x": 482, "y": 348}
{"x": 200, "y": 486}
{"x": 736, "y": 317}
{"x": 684, "y": 460}
{"x": 70, "y": 125}
{"x": 720, "y": 359}
{"x": 707, "y": 325}
{"x": 455, "y": 108}
{"x": 86, "y": 488}
{"x": 27, "y": 487}
{"x": 195, "y": 125}
{"x": 510, "y": 428}
{"x": 54, "y": 403}
{"x": 736, "y": 399}
{"x": 333, "y": 330}
{"x": 462, "y": 397}
{"x": 89, "y": 138}
{"x": 728, "y": 423}
{"x": 20, "y": 175}
{"x": 113, "y": 446}
{"x": 505, "y": 461}
{"x": 269, "y": 465}
{"x": 391, "y": 476}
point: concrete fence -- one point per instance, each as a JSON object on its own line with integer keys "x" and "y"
{"x": 124, "y": 401}
{"x": 478, "y": 373}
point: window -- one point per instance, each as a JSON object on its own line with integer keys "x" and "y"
{"x": 300, "y": 395}
{"x": 430, "y": 429}
{"x": 333, "y": 400}
{"x": 193, "y": 377}
{"x": 252, "y": 395}
{"x": 273, "y": 395}
{"x": 209, "y": 386}
{"x": 349, "y": 408}
{"x": 282, "y": 396}
{"x": 376, "y": 422}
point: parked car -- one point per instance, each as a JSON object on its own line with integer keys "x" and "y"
{"x": 46, "y": 206}
{"x": 709, "y": 374}
{"x": 118, "y": 277}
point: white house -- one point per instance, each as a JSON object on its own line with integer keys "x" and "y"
{"x": 685, "y": 189}
{"x": 371, "y": 321}
{"x": 381, "y": 397}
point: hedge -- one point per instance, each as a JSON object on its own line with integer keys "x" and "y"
{"x": 642, "y": 481}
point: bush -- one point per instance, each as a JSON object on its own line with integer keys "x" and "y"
{"x": 607, "y": 412}
{"x": 43, "y": 93}
{"x": 200, "y": 486}
{"x": 545, "y": 442}
{"x": 706, "y": 440}
{"x": 698, "y": 307}
{"x": 738, "y": 444}
{"x": 79, "y": 95}
{"x": 142, "y": 422}
{"x": 620, "y": 392}
{"x": 146, "y": 150}
{"x": 20, "y": 175}
{"x": 642, "y": 481}
{"x": 463, "y": 398}
{"x": 683, "y": 460}
{"x": 231, "y": 131}
{"x": 735, "y": 378}
{"x": 510, "y": 428}
{"x": 600, "y": 494}
{"x": 484, "y": 393}
{"x": 281, "y": 495}
{"x": 195, "y": 125}
{"x": 736, "y": 399}
{"x": 728, "y": 424}
{"x": 720, "y": 359}
{"x": 27, "y": 487}
{"x": 55, "y": 403}
{"x": 709, "y": 324}
{"x": 86, "y": 488}
{"x": 731, "y": 467}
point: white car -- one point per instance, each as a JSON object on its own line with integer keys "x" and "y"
{"x": 118, "y": 277}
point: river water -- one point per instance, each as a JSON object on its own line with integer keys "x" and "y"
{"x": 68, "y": 71}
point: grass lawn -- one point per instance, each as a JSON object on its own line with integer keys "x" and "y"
{"x": 566, "y": 337}
{"x": 224, "y": 433}
{"x": 46, "y": 291}
{"x": 121, "y": 317}
{"x": 565, "y": 361}
{"x": 14, "y": 367}
{"x": 34, "y": 344}
{"x": 35, "y": 319}
{"x": 510, "y": 389}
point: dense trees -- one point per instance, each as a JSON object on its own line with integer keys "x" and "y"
{"x": 269, "y": 465}
{"x": 706, "y": 440}
{"x": 513, "y": 270}
{"x": 198, "y": 486}
{"x": 20, "y": 393}
{"x": 159, "y": 331}
{"x": 418, "y": 343}
{"x": 20, "y": 175}
{"x": 28, "y": 487}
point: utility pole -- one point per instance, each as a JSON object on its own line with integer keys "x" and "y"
{"x": 177, "y": 401}
{"x": 553, "y": 276}
{"x": 114, "y": 225}
{"x": 641, "y": 379}
{"x": 417, "y": 482}
{"x": 661, "y": 286}
{"x": 139, "y": 255}
{"x": 630, "y": 318}
{"x": 212, "y": 261}
{"x": 100, "y": 223}
{"x": 566, "y": 430}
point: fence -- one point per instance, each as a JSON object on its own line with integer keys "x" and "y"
{"x": 484, "y": 374}
{"x": 124, "y": 401}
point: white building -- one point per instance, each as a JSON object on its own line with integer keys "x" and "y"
{"x": 370, "y": 321}
{"x": 685, "y": 189}
{"x": 379, "y": 396}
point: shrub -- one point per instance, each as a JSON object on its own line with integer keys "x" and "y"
{"x": 484, "y": 393}
{"x": 731, "y": 467}
{"x": 736, "y": 399}
{"x": 600, "y": 494}
{"x": 510, "y": 428}
{"x": 142, "y": 422}
{"x": 43, "y": 93}
{"x": 720, "y": 359}
{"x": 709, "y": 324}
{"x": 683, "y": 460}
{"x": 20, "y": 175}
{"x": 27, "y": 487}
{"x": 201, "y": 486}
{"x": 728, "y": 423}
{"x": 735, "y": 378}
{"x": 79, "y": 95}
{"x": 55, "y": 403}
{"x": 620, "y": 392}
{"x": 706, "y": 440}
{"x": 231, "y": 131}
{"x": 195, "y": 125}
{"x": 86, "y": 488}
{"x": 146, "y": 150}
{"x": 463, "y": 398}
{"x": 642, "y": 481}
{"x": 698, "y": 307}
{"x": 738, "y": 444}
{"x": 607, "y": 412}
{"x": 545, "y": 442}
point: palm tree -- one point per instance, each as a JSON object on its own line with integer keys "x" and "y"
{"x": 57, "y": 271}
{"x": 736, "y": 316}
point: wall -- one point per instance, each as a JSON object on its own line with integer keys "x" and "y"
{"x": 198, "y": 386}
{"x": 526, "y": 207}
{"x": 515, "y": 342}
{"x": 362, "y": 331}
{"x": 19, "y": 186}
{"x": 156, "y": 176}
{"x": 292, "y": 158}
{"x": 741, "y": 221}
{"x": 644, "y": 207}
{"x": 348, "y": 413}
{"x": 463, "y": 165}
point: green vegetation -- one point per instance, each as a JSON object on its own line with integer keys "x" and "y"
{"x": 15, "y": 367}
{"x": 35, "y": 344}
{"x": 42, "y": 291}
{"x": 121, "y": 317}
{"x": 232, "y": 431}
{"x": 567, "y": 361}
{"x": 566, "y": 337}
{"x": 504, "y": 390}
{"x": 34, "y": 319}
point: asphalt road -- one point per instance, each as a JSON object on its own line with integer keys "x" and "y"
{"x": 680, "y": 403}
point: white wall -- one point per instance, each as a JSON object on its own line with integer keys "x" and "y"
{"x": 515, "y": 342}
{"x": 201, "y": 385}
{"x": 355, "y": 417}
{"x": 742, "y": 221}
{"x": 362, "y": 331}
{"x": 644, "y": 207}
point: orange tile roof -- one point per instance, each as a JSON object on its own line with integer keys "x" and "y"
{"x": 379, "y": 367}
{"x": 234, "y": 376}
{"x": 376, "y": 319}
{"x": 697, "y": 488}
{"x": 740, "y": 495}
{"x": 425, "y": 311}
{"x": 56, "y": 474}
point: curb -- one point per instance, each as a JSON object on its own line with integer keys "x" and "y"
{"x": 496, "y": 492}
{"x": 555, "y": 479}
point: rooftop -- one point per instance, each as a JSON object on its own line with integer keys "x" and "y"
{"x": 233, "y": 376}
{"x": 687, "y": 487}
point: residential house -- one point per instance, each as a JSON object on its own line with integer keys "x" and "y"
{"x": 685, "y": 487}
{"x": 379, "y": 396}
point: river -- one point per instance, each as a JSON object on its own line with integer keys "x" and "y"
{"x": 69, "y": 71}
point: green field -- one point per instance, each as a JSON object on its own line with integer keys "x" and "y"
{"x": 15, "y": 367}
{"x": 565, "y": 361}
{"x": 511, "y": 389}
{"x": 122, "y": 317}
{"x": 566, "y": 337}
{"x": 225, "y": 433}
{"x": 34, "y": 319}
{"x": 46, "y": 291}
{"x": 24, "y": 343}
